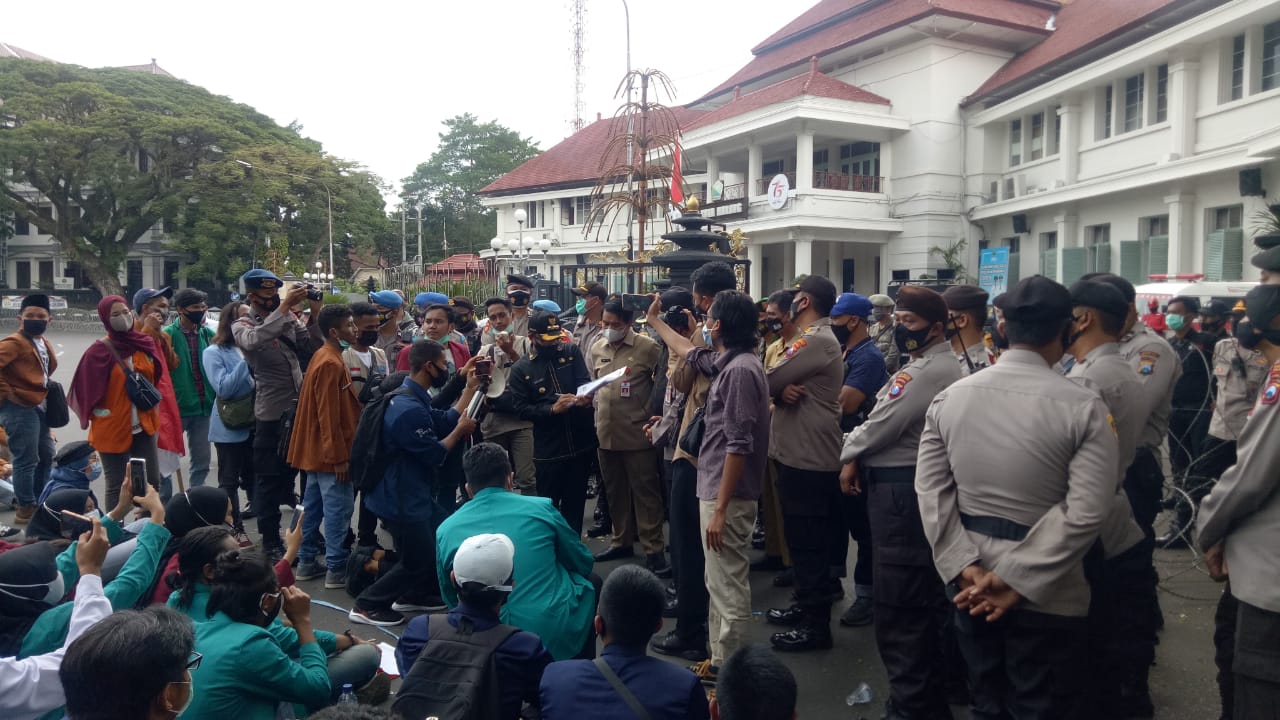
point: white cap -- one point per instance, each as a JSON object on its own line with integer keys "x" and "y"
{"x": 485, "y": 559}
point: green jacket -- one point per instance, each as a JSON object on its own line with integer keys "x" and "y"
{"x": 134, "y": 580}
{"x": 184, "y": 382}
{"x": 553, "y": 597}
{"x": 245, "y": 673}
{"x": 286, "y": 637}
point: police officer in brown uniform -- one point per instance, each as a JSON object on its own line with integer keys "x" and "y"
{"x": 967, "y": 307}
{"x": 1122, "y": 633}
{"x": 628, "y": 463}
{"x": 804, "y": 441}
{"x": 880, "y": 457}
{"x": 1018, "y": 467}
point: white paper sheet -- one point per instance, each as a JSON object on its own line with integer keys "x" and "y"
{"x": 595, "y": 385}
{"x": 389, "y": 660}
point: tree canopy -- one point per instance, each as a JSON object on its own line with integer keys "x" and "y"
{"x": 116, "y": 152}
{"x": 470, "y": 156}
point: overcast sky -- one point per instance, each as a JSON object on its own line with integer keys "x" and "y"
{"x": 372, "y": 80}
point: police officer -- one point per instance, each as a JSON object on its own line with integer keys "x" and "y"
{"x": 271, "y": 337}
{"x": 1157, "y": 367}
{"x": 1122, "y": 579}
{"x": 1192, "y": 408}
{"x": 880, "y": 458}
{"x": 804, "y": 441}
{"x": 967, "y": 312}
{"x": 1002, "y": 530}
{"x": 882, "y": 330}
{"x": 520, "y": 293}
{"x": 1239, "y": 523}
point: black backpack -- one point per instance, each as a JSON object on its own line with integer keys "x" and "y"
{"x": 455, "y": 677}
{"x": 369, "y": 461}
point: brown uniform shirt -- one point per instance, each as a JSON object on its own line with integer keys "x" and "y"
{"x": 622, "y": 407}
{"x": 807, "y": 435}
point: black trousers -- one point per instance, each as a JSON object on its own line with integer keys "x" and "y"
{"x": 1215, "y": 457}
{"x": 273, "y": 482}
{"x": 687, "y": 557}
{"x": 1144, "y": 484}
{"x": 414, "y": 573}
{"x": 854, "y": 523}
{"x": 810, "y": 500}
{"x": 235, "y": 471}
{"x": 910, "y": 601}
{"x": 1024, "y": 666}
{"x": 564, "y": 481}
{"x": 1257, "y": 664}
{"x": 1122, "y": 631}
{"x": 1187, "y": 431}
{"x": 1224, "y": 648}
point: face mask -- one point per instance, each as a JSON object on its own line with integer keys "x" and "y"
{"x": 367, "y": 337}
{"x": 269, "y": 614}
{"x": 1175, "y": 322}
{"x": 796, "y": 309}
{"x": 269, "y": 304}
{"x": 842, "y": 333}
{"x": 34, "y": 328}
{"x": 122, "y": 323}
{"x": 613, "y": 335}
{"x": 909, "y": 341}
{"x": 1213, "y": 327}
{"x": 998, "y": 339}
{"x": 879, "y": 314}
{"x": 949, "y": 330}
{"x": 467, "y": 326}
{"x": 519, "y": 298}
{"x": 94, "y": 471}
{"x": 580, "y": 306}
{"x": 440, "y": 379}
{"x": 54, "y": 590}
{"x": 773, "y": 326}
{"x": 1244, "y": 333}
{"x": 191, "y": 694}
{"x": 195, "y": 318}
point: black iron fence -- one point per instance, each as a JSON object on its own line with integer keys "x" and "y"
{"x": 632, "y": 277}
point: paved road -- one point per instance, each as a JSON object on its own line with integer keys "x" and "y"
{"x": 1182, "y": 681}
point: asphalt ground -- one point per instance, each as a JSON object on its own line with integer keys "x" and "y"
{"x": 1182, "y": 682}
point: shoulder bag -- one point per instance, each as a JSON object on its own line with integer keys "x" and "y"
{"x": 56, "y": 412}
{"x": 141, "y": 392}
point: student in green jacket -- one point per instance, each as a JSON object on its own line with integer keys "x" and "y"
{"x": 194, "y": 391}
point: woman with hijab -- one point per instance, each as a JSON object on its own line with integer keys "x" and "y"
{"x": 48, "y": 631}
{"x": 199, "y": 507}
{"x": 75, "y": 466}
{"x": 117, "y": 429}
{"x": 31, "y": 686}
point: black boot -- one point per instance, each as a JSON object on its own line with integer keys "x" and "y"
{"x": 802, "y": 638}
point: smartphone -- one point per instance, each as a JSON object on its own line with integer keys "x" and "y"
{"x": 484, "y": 367}
{"x": 77, "y": 516}
{"x": 297, "y": 515}
{"x": 138, "y": 476}
{"x": 638, "y": 303}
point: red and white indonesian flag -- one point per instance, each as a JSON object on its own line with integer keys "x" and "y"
{"x": 677, "y": 177}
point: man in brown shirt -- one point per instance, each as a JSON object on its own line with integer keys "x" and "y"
{"x": 628, "y": 463}
{"x": 325, "y": 426}
{"x": 805, "y": 442}
{"x": 26, "y": 362}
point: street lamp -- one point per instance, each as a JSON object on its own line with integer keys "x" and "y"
{"x": 521, "y": 216}
{"x": 327, "y": 193}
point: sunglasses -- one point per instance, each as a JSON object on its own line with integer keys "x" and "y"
{"x": 193, "y": 662}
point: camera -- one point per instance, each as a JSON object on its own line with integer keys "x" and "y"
{"x": 675, "y": 317}
{"x": 313, "y": 293}
{"x": 484, "y": 368}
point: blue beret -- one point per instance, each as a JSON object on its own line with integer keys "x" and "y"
{"x": 548, "y": 305}
{"x": 261, "y": 278}
{"x": 386, "y": 298}
{"x": 424, "y": 299}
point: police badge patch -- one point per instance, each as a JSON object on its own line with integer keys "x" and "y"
{"x": 1147, "y": 362}
{"x": 1271, "y": 393}
{"x": 899, "y": 385}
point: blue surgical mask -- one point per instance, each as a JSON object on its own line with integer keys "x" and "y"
{"x": 93, "y": 471}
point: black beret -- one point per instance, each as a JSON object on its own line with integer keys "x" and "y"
{"x": 1215, "y": 308}
{"x": 998, "y": 301}
{"x": 1268, "y": 259}
{"x": 677, "y": 297}
{"x": 922, "y": 301}
{"x": 72, "y": 453}
{"x": 965, "y": 297}
{"x": 1126, "y": 288}
{"x": 514, "y": 279}
{"x": 463, "y": 302}
{"x": 1099, "y": 296}
{"x": 1268, "y": 241}
{"x": 1038, "y": 299}
{"x": 819, "y": 287}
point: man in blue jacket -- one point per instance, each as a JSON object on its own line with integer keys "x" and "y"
{"x": 630, "y": 613}
{"x": 417, "y": 438}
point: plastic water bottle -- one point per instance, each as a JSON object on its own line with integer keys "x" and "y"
{"x": 861, "y": 695}
{"x": 348, "y": 696}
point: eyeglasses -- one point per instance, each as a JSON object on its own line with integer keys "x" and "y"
{"x": 194, "y": 661}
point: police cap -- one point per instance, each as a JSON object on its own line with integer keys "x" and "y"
{"x": 1038, "y": 299}
{"x": 965, "y": 297}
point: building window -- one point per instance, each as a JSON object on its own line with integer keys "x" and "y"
{"x": 771, "y": 168}
{"x": 133, "y": 275}
{"x": 1162, "y": 93}
{"x": 821, "y": 161}
{"x": 1226, "y": 218}
{"x": 1015, "y": 142}
{"x": 23, "y": 274}
{"x": 1133, "y": 88}
{"x": 1237, "y": 68}
{"x": 1271, "y": 56}
{"x": 1158, "y": 225}
{"x": 1105, "y": 130}
{"x": 1099, "y": 247}
{"x": 1013, "y": 243}
{"x": 537, "y": 217}
{"x": 1037, "y": 136}
{"x": 21, "y": 226}
{"x": 567, "y": 215}
{"x": 1057, "y": 131}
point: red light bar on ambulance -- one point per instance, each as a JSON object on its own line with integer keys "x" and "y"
{"x": 1189, "y": 277}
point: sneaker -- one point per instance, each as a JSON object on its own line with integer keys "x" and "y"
{"x": 380, "y": 617}
{"x": 242, "y": 538}
{"x": 310, "y": 570}
{"x": 859, "y": 613}
{"x": 376, "y": 691}
{"x": 706, "y": 672}
{"x": 335, "y": 579}
{"x": 6, "y": 531}
{"x": 428, "y": 603}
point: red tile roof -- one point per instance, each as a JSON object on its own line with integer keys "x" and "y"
{"x": 576, "y": 160}
{"x": 834, "y": 27}
{"x": 814, "y": 83}
{"x": 7, "y": 50}
{"x": 1080, "y": 24}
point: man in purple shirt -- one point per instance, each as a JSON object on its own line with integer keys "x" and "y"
{"x": 731, "y": 460}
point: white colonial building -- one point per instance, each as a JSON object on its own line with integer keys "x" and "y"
{"x": 1135, "y": 136}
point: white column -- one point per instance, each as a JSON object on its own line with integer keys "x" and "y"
{"x": 755, "y": 275}
{"x": 1066, "y": 229}
{"x": 1183, "y": 82}
{"x": 835, "y": 254}
{"x": 804, "y": 161}
{"x": 1182, "y": 255}
{"x": 804, "y": 257}
{"x": 788, "y": 263}
{"x": 886, "y": 165}
{"x": 713, "y": 171}
{"x": 755, "y": 157}
{"x": 1069, "y": 143}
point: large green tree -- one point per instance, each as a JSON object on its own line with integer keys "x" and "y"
{"x": 471, "y": 155}
{"x": 116, "y": 152}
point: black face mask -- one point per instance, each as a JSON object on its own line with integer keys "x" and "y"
{"x": 999, "y": 340}
{"x": 467, "y": 326}
{"x": 842, "y": 333}
{"x": 367, "y": 337}
{"x": 519, "y": 298}
{"x": 195, "y": 318}
{"x": 909, "y": 341}
{"x": 1212, "y": 327}
{"x": 440, "y": 379}
{"x": 773, "y": 326}
{"x": 34, "y": 328}
{"x": 1249, "y": 339}
{"x": 795, "y": 309}
{"x": 950, "y": 330}
{"x": 1070, "y": 338}
{"x": 269, "y": 304}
